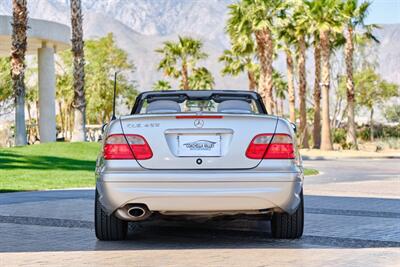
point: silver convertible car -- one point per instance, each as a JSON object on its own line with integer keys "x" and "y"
{"x": 200, "y": 154}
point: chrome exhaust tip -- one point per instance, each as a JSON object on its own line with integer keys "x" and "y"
{"x": 137, "y": 212}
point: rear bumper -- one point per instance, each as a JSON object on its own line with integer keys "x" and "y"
{"x": 201, "y": 191}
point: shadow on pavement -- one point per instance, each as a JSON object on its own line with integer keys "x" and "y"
{"x": 331, "y": 222}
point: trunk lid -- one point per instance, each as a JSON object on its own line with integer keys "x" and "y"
{"x": 199, "y": 142}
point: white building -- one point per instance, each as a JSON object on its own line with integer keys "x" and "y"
{"x": 45, "y": 38}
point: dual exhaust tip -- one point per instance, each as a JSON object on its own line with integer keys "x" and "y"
{"x": 138, "y": 212}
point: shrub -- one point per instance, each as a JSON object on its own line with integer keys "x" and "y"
{"x": 380, "y": 131}
{"x": 392, "y": 143}
{"x": 339, "y": 137}
{"x": 392, "y": 113}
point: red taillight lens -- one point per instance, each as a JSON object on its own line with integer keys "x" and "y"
{"x": 281, "y": 147}
{"x": 116, "y": 147}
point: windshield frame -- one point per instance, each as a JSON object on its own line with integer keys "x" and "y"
{"x": 180, "y": 96}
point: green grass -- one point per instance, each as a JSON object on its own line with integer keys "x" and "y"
{"x": 310, "y": 172}
{"x": 52, "y": 166}
{"x": 47, "y": 166}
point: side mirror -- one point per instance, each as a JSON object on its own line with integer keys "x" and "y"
{"x": 294, "y": 127}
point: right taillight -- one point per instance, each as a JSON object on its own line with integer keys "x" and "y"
{"x": 262, "y": 147}
{"x": 117, "y": 147}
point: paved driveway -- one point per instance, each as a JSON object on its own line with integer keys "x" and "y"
{"x": 342, "y": 228}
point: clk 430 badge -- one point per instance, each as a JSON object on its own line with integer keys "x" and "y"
{"x": 143, "y": 125}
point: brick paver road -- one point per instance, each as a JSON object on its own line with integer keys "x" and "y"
{"x": 55, "y": 228}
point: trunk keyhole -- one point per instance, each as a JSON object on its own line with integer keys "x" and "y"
{"x": 199, "y": 161}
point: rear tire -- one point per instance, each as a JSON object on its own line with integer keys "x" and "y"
{"x": 286, "y": 226}
{"x": 108, "y": 227}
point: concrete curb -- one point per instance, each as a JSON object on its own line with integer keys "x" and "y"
{"x": 347, "y": 157}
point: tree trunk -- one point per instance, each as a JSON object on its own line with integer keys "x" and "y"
{"x": 79, "y": 103}
{"x": 18, "y": 49}
{"x": 302, "y": 92}
{"x": 335, "y": 122}
{"x": 371, "y": 122}
{"x": 252, "y": 81}
{"x": 61, "y": 118}
{"x": 326, "y": 140}
{"x": 65, "y": 112}
{"x": 30, "y": 128}
{"x": 185, "y": 77}
{"x": 265, "y": 52}
{"x": 37, "y": 120}
{"x": 68, "y": 122}
{"x": 317, "y": 97}
{"x": 71, "y": 118}
{"x": 351, "y": 130}
{"x": 291, "y": 91}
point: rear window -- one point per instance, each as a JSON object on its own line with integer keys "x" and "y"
{"x": 190, "y": 106}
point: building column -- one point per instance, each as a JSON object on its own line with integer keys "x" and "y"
{"x": 47, "y": 94}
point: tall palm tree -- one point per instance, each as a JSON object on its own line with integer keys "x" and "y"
{"x": 326, "y": 18}
{"x": 281, "y": 88}
{"x": 201, "y": 79}
{"x": 301, "y": 67}
{"x": 317, "y": 92}
{"x": 301, "y": 20}
{"x": 180, "y": 58}
{"x": 355, "y": 17}
{"x": 255, "y": 19}
{"x": 236, "y": 63}
{"x": 162, "y": 85}
{"x": 336, "y": 42}
{"x": 18, "y": 49}
{"x": 287, "y": 36}
{"x": 79, "y": 103}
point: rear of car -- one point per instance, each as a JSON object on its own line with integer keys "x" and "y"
{"x": 198, "y": 153}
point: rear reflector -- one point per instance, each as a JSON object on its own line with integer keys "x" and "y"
{"x": 200, "y": 117}
{"x": 281, "y": 147}
{"x": 116, "y": 147}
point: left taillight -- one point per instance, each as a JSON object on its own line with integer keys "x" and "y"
{"x": 117, "y": 147}
{"x": 262, "y": 147}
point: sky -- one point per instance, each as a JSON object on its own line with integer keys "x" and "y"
{"x": 384, "y": 12}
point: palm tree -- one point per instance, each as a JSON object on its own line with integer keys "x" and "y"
{"x": 355, "y": 15}
{"x": 201, "y": 79}
{"x": 317, "y": 93}
{"x": 18, "y": 49}
{"x": 179, "y": 58}
{"x": 79, "y": 103}
{"x": 301, "y": 20}
{"x": 287, "y": 37}
{"x": 162, "y": 85}
{"x": 281, "y": 88}
{"x": 236, "y": 63}
{"x": 326, "y": 18}
{"x": 255, "y": 20}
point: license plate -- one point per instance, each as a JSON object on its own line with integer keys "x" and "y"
{"x": 199, "y": 145}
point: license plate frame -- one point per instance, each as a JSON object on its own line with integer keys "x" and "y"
{"x": 199, "y": 145}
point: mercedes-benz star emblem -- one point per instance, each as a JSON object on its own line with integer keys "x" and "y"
{"x": 198, "y": 123}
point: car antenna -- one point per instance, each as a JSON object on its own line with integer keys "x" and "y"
{"x": 115, "y": 93}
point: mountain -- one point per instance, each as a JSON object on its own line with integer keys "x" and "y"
{"x": 389, "y": 52}
{"x": 141, "y": 26}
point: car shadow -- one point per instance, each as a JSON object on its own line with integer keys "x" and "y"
{"x": 226, "y": 235}
{"x": 331, "y": 222}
